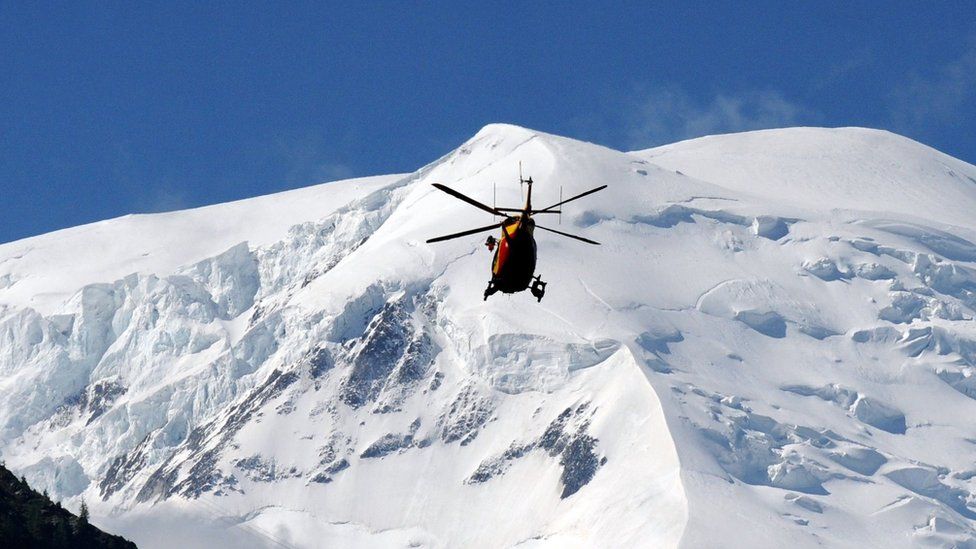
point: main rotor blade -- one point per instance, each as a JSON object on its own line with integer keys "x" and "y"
{"x": 469, "y": 200}
{"x": 587, "y": 240}
{"x": 466, "y": 233}
{"x": 581, "y": 195}
{"x": 532, "y": 212}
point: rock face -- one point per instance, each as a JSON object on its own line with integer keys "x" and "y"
{"x": 803, "y": 354}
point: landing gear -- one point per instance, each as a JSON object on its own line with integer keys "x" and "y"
{"x": 538, "y": 287}
{"x": 490, "y": 289}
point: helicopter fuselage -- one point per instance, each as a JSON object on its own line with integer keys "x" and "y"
{"x": 513, "y": 266}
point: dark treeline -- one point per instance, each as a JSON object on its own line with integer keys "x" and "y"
{"x": 30, "y": 519}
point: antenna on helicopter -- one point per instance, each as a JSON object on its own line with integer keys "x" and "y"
{"x": 521, "y": 182}
{"x": 522, "y": 179}
{"x": 560, "y": 200}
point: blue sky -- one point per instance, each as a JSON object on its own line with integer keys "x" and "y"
{"x": 108, "y": 109}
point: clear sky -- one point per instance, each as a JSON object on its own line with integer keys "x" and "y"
{"x": 108, "y": 109}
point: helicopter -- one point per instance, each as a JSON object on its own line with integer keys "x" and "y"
{"x": 513, "y": 265}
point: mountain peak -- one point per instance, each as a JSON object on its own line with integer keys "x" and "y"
{"x": 502, "y": 129}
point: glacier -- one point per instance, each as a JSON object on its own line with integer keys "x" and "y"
{"x": 774, "y": 346}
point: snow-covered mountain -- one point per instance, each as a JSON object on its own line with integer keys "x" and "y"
{"x": 773, "y": 347}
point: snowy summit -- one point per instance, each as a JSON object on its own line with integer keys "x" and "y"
{"x": 773, "y": 347}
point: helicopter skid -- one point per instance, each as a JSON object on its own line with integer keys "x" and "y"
{"x": 537, "y": 288}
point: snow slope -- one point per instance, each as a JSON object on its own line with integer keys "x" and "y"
{"x": 48, "y": 268}
{"x": 774, "y": 346}
{"x": 826, "y": 169}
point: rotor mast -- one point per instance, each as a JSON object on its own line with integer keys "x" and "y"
{"x": 527, "y": 211}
